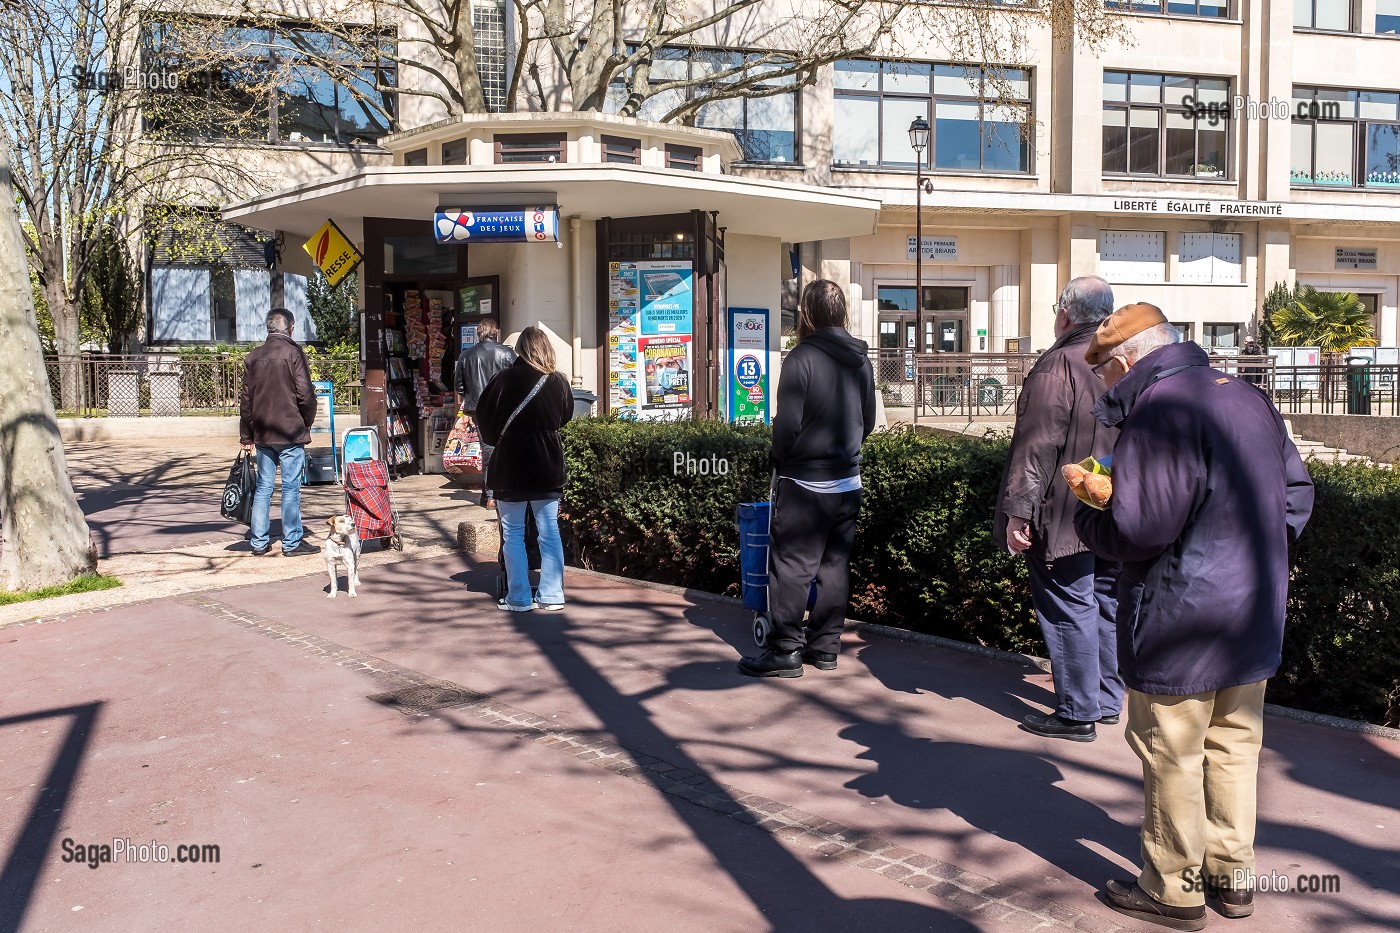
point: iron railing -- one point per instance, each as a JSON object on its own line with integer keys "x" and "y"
{"x": 971, "y": 386}
{"x": 100, "y": 385}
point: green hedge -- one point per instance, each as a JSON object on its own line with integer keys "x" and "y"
{"x": 924, "y": 558}
{"x": 1341, "y": 649}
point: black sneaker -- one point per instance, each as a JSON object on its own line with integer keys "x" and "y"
{"x": 260, "y": 551}
{"x": 301, "y": 550}
{"x": 1053, "y": 727}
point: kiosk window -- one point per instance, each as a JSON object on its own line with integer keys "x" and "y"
{"x": 619, "y": 149}
{"x": 683, "y": 157}
{"x": 454, "y": 152}
{"x": 514, "y": 148}
{"x": 416, "y": 157}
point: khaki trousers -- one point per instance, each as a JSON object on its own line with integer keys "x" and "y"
{"x": 1200, "y": 765}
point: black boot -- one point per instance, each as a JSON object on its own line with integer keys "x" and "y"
{"x": 773, "y": 664}
{"x": 821, "y": 660}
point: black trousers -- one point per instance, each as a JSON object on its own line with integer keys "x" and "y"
{"x": 486, "y": 452}
{"x": 810, "y": 538}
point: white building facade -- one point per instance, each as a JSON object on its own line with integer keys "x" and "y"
{"x": 1230, "y": 146}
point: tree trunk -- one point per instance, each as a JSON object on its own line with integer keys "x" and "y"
{"x": 44, "y": 538}
{"x": 67, "y": 343}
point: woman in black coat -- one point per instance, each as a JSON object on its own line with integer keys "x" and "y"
{"x": 520, "y": 414}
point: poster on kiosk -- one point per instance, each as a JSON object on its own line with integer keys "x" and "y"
{"x": 650, "y": 319}
{"x": 748, "y": 365}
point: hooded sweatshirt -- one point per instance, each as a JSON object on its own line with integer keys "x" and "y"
{"x": 826, "y": 407}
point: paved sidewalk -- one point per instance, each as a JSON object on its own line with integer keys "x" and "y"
{"x": 153, "y": 512}
{"x": 602, "y": 768}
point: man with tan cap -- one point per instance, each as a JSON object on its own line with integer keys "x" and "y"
{"x": 1208, "y": 494}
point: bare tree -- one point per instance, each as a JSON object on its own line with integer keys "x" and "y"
{"x": 85, "y": 159}
{"x": 603, "y": 54}
{"x": 44, "y": 538}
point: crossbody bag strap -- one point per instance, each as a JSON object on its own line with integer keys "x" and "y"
{"x": 525, "y": 401}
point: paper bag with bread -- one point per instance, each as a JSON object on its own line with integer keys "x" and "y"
{"x": 1091, "y": 480}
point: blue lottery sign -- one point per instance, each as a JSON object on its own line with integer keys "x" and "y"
{"x": 497, "y": 225}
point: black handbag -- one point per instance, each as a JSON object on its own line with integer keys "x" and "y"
{"x": 238, "y": 491}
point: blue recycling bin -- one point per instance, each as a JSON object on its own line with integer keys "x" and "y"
{"x": 753, "y": 520}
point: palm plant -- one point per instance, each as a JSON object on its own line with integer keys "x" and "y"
{"x": 1332, "y": 321}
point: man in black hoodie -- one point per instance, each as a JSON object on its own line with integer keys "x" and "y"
{"x": 826, "y": 410}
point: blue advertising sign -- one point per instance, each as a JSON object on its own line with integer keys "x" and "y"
{"x": 666, "y": 297}
{"x": 497, "y": 225}
{"x": 748, "y": 369}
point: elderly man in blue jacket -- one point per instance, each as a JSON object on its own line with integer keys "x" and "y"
{"x": 1208, "y": 494}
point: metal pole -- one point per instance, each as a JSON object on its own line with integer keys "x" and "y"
{"x": 919, "y": 248}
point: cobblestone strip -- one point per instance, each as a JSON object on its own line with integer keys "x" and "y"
{"x": 978, "y": 896}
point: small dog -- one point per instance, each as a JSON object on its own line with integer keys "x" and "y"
{"x": 342, "y": 547}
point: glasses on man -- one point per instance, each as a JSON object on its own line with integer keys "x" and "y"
{"x": 1098, "y": 369}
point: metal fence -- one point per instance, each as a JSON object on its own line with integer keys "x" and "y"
{"x": 102, "y": 385}
{"x": 946, "y": 385}
{"x": 1333, "y": 388}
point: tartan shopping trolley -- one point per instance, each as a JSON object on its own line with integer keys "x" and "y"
{"x": 367, "y": 498}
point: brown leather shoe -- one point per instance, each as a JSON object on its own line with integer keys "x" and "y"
{"x": 1127, "y": 898}
{"x": 1231, "y": 902}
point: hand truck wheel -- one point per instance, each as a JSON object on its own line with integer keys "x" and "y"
{"x": 762, "y": 628}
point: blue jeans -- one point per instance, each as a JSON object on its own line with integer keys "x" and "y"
{"x": 518, "y": 562}
{"x": 292, "y": 459}
{"x": 1075, "y": 600}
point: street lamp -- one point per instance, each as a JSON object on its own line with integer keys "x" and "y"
{"x": 918, "y": 139}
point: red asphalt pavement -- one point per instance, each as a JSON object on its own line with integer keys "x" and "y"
{"x": 604, "y": 775}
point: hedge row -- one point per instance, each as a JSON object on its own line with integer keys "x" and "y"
{"x": 924, "y": 559}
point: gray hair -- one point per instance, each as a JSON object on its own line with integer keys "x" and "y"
{"x": 280, "y": 321}
{"x": 1141, "y": 344}
{"x": 1087, "y": 299}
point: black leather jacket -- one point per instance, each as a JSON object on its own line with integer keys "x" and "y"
{"x": 476, "y": 367}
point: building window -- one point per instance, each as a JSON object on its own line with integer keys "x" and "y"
{"x": 1213, "y": 9}
{"x": 1346, "y": 138}
{"x": 288, "y": 83}
{"x": 686, "y": 158}
{"x": 1165, "y": 125}
{"x": 622, "y": 150}
{"x": 489, "y": 40}
{"x": 1322, "y": 14}
{"x": 416, "y": 157}
{"x": 514, "y": 148}
{"x": 1387, "y": 17}
{"x": 1220, "y": 336}
{"x": 1183, "y": 330}
{"x": 762, "y": 118}
{"x": 1133, "y": 255}
{"x": 1212, "y": 258}
{"x": 970, "y": 130}
{"x": 454, "y": 152}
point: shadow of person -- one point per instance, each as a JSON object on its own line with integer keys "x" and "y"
{"x": 1015, "y": 795}
{"x": 998, "y": 686}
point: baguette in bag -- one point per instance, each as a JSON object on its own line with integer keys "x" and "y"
{"x": 1090, "y": 480}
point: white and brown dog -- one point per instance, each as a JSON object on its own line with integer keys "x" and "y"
{"x": 342, "y": 547}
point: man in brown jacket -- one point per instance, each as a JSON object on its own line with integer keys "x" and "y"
{"x": 1073, "y": 592}
{"x": 276, "y": 409}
